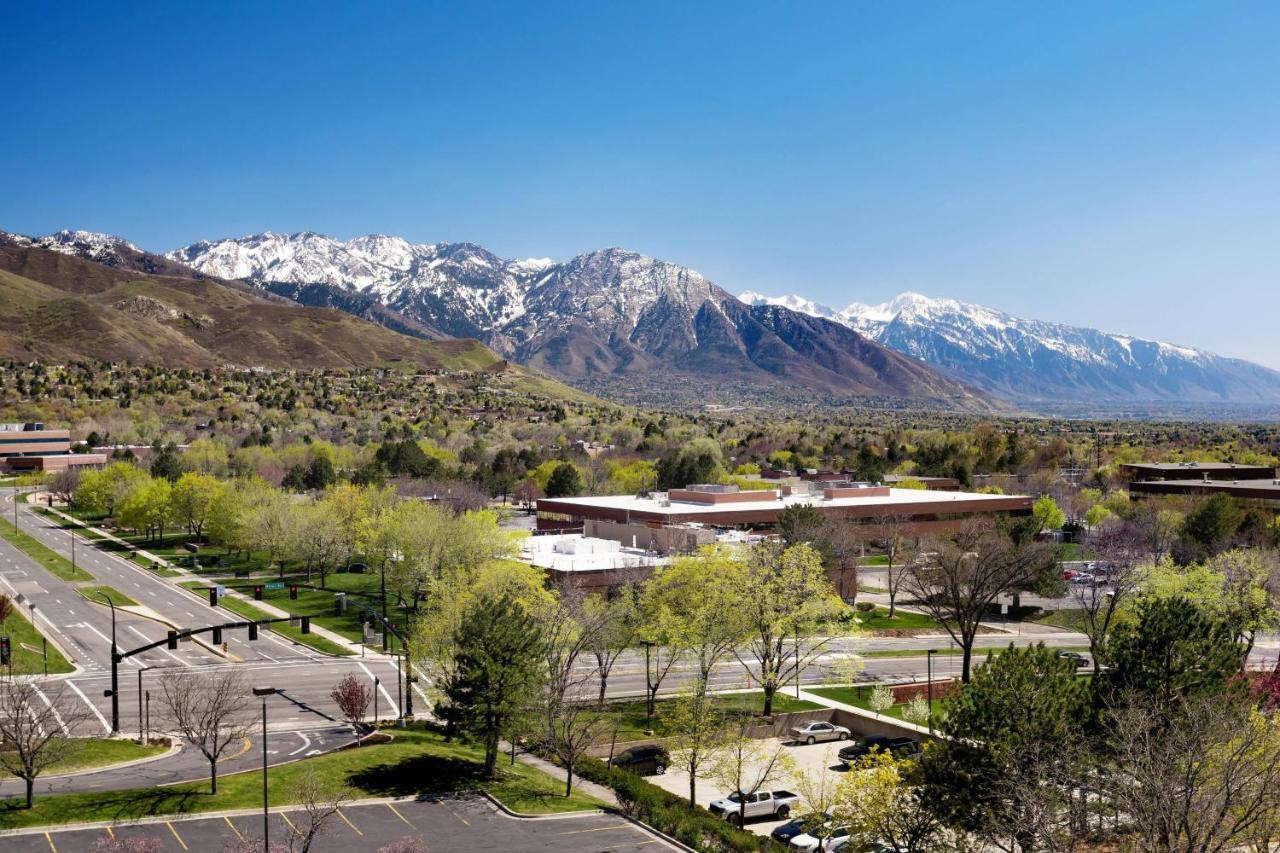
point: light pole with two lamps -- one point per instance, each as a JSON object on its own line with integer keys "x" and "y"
{"x": 264, "y": 692}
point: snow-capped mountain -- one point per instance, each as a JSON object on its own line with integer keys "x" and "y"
{"x": 1033, "y": 360}
{"x": 608, "y": 313}
{"x": 90, "y": 245}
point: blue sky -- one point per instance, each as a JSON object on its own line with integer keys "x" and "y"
{"x": 1113, "y": 165}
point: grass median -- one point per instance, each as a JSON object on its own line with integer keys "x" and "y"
{"x": 96, "y": 594}
{"x": 417, "y": 762}
{"x": 284, "y": 629}
{"x": 98, "y": 752}
{"x": 27, "y": 645}
{"x": 49, "y": 559}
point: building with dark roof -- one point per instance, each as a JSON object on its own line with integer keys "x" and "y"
{"x": 1148, "y": 471}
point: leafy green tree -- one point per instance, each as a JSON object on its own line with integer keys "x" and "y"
{"x": 193, "y": 498}
{"x": 1211, "y": 525}
{"x": 1046, "y": 512}
{"x": 295, "y": 479}
{"x": 1013, "y": 738}
{"x": 1173, "y": 649}
{"x": 499, "y": 665}
{"x": 699, "y": 461}
{"x": 320, "y": 473}
{"x": 565, "y": 481}
{"x": 148, "y": 508}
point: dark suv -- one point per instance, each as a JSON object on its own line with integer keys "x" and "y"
{"x": 643, "y": 760}
{"x": 899, "y": 747}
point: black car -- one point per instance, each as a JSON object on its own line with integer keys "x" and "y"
{"x": 789, "y": 830}
{"x": 642, "y": 760}
{"x": 1078, "y": 659}
{"x": 899, "y": 747}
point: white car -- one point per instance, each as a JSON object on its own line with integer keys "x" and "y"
{"x": 816, "y": 731}
{"x": 807, "y": 843}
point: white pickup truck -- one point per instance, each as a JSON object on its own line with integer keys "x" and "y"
{"x": 772, "y": 804}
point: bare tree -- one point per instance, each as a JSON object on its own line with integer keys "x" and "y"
{"x": 319, "y": 800}
{"x": 843, "y": 544}
{"x": 1200, "y": 775}
{"x": 699, "y": 730}
{"x": 1122, "y": 548}
{"x": 966, "y": 573}
{"x": 892, "y": 531}
{"x": 352, "y": 696}
{"x": 63, "y": 484}
{"x": 613, "y": 632}
{"x": 745, "y": 765}
{"x": 35, "y": 729}
{"x": 210, "y": 712}
{"x": 568, "y": 728}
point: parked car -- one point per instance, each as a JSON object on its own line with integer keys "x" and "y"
{"x": 1083, "y": 579}
{"x": 851, "y": 846}
{"x": 642, "y": 760}
{"x": 1075, "y": 657}
{"x": 789, "y": 830}
{"x": 828, "y": 838}
{"x": 816, "y": 731}
{"x": 898, "y": 747}
{"x": 774, "y": 804}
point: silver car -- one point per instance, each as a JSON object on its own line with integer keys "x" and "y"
{"x": 816, "y": 731}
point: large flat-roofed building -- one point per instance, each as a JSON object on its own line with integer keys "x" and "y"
{"x": 1142, "y": 472}
{"x": 1262, "y": 492}
{"x": 31, "y": 447}
{"x": 665, "y": 515}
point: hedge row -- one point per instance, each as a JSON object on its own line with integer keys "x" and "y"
{"x": 670, "y": 814}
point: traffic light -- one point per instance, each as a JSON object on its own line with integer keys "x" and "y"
{"x": 257, "y": 593}
{"x": 5, "y": 652}
{"x": 217, "y": 635}
{"x": 213, "y": 596}
{"x": 253, "y": 630}
{"x": 173, "y": 640}
{"x": 293, "y": 591}
{"x": 306, "y": 624}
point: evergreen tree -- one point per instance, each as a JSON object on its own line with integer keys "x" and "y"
{"x": 498, "y": 670}
{"x": 166, "y": 464}
{"x": 320, "y": 473}
{"x": 565, "y": 481}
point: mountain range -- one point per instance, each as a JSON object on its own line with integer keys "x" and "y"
{"x": 629, "y": 326}
{"x": 1033, "y": 361}
{"x": 612, "y": 320}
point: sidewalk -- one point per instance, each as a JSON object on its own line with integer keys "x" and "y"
{"x": 600, "y": 792}
{"x": 182, "y": 574}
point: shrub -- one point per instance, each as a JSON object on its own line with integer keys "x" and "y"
{"x": 865, "y": 606}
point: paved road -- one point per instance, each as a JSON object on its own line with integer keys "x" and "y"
{"x": 447, "y": 826}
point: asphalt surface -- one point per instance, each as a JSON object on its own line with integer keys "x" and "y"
{"x": 446, "y": 826}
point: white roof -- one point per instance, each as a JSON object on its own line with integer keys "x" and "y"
{"x": 896, "y": 497}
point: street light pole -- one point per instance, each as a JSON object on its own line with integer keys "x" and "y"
{"x": 376, "y": 684}
{"x": 115, "y": 667}
{"x": 72, "y": 532}
{"x": 264, "y": 692}
{"x": 141, "y": 735}
{"x": 648, "y": 685}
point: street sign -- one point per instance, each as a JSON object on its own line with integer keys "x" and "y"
{"x": 275, "y": 585}
{"x": 222, "y": 590}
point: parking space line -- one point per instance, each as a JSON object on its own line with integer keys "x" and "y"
{"x": 52, "y": 847}
{"x": 286, "y": 820}
{"x": 176, "y": 835}
{"x": 349, "y": 823}
{"x": 452, "y": 812}
{"x": 238, "y": 833}
{"x": 110, "y": 832}
{"x": 594, "y": 829}
{"x": 395, "y": 811}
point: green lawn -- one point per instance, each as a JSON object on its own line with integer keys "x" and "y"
{"x": 100, "y": 752}
{"x": 289, "y": 632}
{"x": 859, "y": 697}
{"x": 628, "y": 718}
{"x": 95, "y": 594}
{"x": 417, "y": 762}
{"x": 1069, "y": 619}
{"x": 874, "y": 560}
{"x": 878, "y": 620}
{"x": 361, "y": 589}
{"x": 25, "y": 642}
{"x": 49, "y": 559}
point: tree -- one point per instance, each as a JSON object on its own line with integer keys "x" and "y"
{"x": 565, "y": 481}
{"x": 319, "y": 800}
{"x": 165, "y": 464}
{"x": 499, "y": 660}
{"x": 1012, "y": 749}
{"x": 1121, "y": 546}
{"x": 1172, "y": 649}
{"x": 699, "y": 461}
{"x": 1198, "y": 775}
{"x": 1212, "y": 524}
{"x": 63, "y": 484}
{"x": 745, "y": 765}
{"x": 964, "y": 576}
{"x": 568, "y": 729}
{"x": 192, "y": 500}
{"x": 35, "y": 726}
{"x": 352, "y": 696}
{"x": 879, "y": 804}
{"x": 892, "y": 532}
{"x": 799, "y": 524}
{"x": 317, "y": 541}
{"x": 698, "y": 728}
{"x": 1047, "y": 514}
{"x": 611, "y": 624}
{"x": 320, "y": 473}
{"x": 209, "y": 711}
{"x": 782, "y": 597}
{"x": 148, "y": 508}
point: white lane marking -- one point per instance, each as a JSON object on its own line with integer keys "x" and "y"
{"x": 306, "y": 742}
{"x": 92, "y": 707}
{"x": 395, "y": 709}
{"x": 61, "y": 722}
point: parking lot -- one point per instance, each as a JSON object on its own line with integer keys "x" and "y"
{"x": 457, "y": 825}
{"x": 819, "y": 758}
